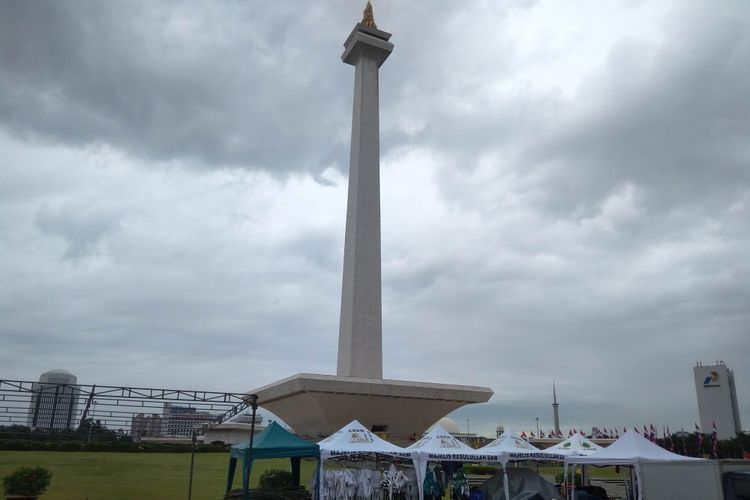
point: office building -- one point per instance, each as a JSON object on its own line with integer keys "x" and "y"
{"x": 717, "y": 399}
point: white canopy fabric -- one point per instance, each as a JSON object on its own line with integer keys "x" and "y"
{"x": 438, "y": 444}
{"x": 355, "y": 439}
{"x": 511, "y": 446}
{"x": 630, "y": 449}
{"x": 575, "y": 445}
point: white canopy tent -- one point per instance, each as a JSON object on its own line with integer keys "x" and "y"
{"x": 439, "y": 445}
{"x": 630, "y": 449}
{"x": 575, "y": 445}
{"x": 510, "y": 446}
{"x": 354, "y": 439}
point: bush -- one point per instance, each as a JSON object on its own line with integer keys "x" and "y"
{"x": 30, "y": 481}
{"x": 275, "y": 478}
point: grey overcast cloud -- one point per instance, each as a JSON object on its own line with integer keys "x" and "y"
{"x": 565, "y": 195}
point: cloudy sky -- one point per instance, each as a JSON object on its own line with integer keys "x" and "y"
{"x": 565, "y": 196}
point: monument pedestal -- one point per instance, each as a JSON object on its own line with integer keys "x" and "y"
{"x": 319, "y": 405}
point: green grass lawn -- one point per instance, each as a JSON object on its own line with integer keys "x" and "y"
{"x": 137, "y": 476}
{"x": 160, "y": 476}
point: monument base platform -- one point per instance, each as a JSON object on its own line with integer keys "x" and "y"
{"x": 319, "y": 405}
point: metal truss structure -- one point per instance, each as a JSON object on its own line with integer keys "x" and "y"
{"x": 50, "y": 405}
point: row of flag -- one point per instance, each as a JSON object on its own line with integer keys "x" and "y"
{"x": 650, "y": 433}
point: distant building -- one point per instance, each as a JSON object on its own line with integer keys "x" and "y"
{"x": 54, "y": 403}
{"x": 717, "y": 399}
{"x": 183, "y": 420}
{"x": 145, "y": 426}
{"x": 247, "y": 418}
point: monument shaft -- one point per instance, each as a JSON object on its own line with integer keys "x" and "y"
{"x": 360, "y": 352}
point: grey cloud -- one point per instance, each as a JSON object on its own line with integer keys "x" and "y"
{"x": 174, "y": 81}
{"x": 81, "y": 227}
{"x": 670, "y": 120}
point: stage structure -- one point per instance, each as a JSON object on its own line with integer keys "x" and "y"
{"x": 318, "y": 405}
{"x": 134, "y": 411}
{"x": 70, "y": 412}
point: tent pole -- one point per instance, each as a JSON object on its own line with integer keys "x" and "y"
{"x": 295, "y": 462}
{"x": 632, "y": 484}
{"x": 506, "y": 486}
{"x": 320, "y": 478}
{"x": 230, "y": 474}
{"x": 573, "y": 481}
{"x": 246, "y": 476}
{"x": 192, "y": 465}
{"x": 638, "y": 480}
{"x": 249, "y": 456}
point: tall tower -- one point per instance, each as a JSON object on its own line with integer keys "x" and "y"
{"x": 360, "y": 351}
{"x": 555, "y": 412}
{"x": 318, "y": 405}
{"x": 717, "y": 399}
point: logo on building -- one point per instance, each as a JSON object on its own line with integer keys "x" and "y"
{"x": 711, "y": 380}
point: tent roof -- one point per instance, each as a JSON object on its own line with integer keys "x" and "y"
{"x": 629, "y": 449}
{"x": 354, "y": 438}
{"x": 509, "y": 441}
{"x": 276, "y": 442}
{"x": 439, "y": 444}
{"x": 575, "y": 445}
{"x": 511, "y": 445}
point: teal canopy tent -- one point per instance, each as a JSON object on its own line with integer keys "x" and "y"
{"x": 274, "y": 442}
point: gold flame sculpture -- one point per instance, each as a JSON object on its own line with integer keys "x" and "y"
{"x": 367, "y": 19}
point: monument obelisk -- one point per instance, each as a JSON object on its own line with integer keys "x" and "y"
{"x": 360, "y": 329}
{"x": 318, "y": 405}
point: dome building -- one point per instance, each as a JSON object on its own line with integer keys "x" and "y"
{"x": 54, "y": 404}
